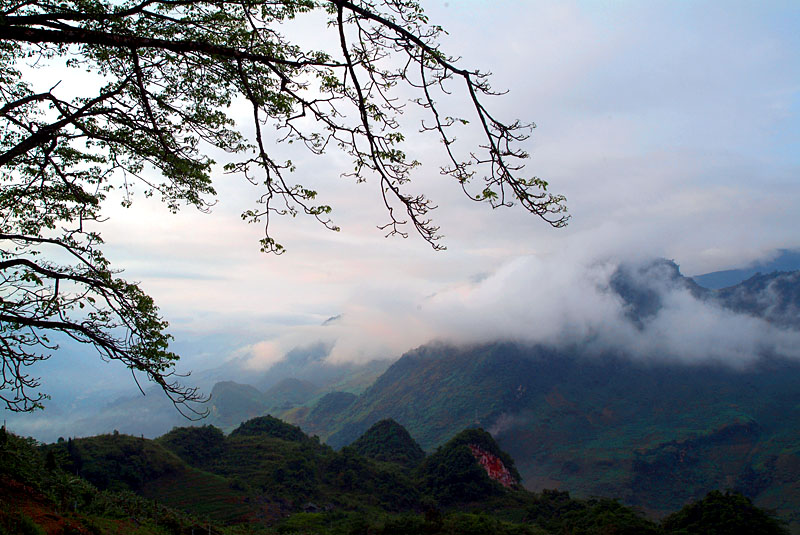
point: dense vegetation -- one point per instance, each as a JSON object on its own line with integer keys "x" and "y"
{"x": 257, "y": 483}
{"x": 451, "y": 475}
{"x": 198, "y": 446}
{"x": 269, "y": 426}
{"x": 654, "y": 434}
{"x": 38, "y": 496}
{"x": 389, "y": 441}
{"x": 720, "y": 513}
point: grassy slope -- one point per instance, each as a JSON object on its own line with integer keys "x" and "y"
{"x": 122, "y": 462}
{"x": 39, "y": 496}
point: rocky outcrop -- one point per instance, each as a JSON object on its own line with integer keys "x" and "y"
{"x": 493, "y": 465}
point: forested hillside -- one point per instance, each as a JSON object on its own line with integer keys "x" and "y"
{"x": 656, "y": 435}
{"x": 269, "y": 478}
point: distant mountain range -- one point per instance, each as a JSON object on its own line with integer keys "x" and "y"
{"x": 302, "y": 378}
{"x": 785, "y": 260}
{"x": 774, "y": 296}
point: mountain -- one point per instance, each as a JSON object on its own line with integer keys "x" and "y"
{"x": 389, "y": 441}
{"x": 655, "y": 434}
{"x": 151, "y": 415}
{"x": 773, "y": 296}
{"x": 242, "y": 395}
{"x": 468, "y": 468}
{"x": 642, "y": 287}
{"x": 785, "y": 260}
{"x": 289, "y": 392}
{"x": 231, "y": 403}
{"x": 591, "y": 418}
{"x": 434, "y": 391}
{"x": 651, "y": 429}
{"x": 309, "y": 363}
{"x": 328, "y": 406}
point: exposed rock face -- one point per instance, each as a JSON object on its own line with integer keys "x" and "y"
{"x": 493, "y": 466}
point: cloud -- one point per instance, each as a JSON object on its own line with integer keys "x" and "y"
{"x": 263, "y": 355}
{"x": 571, "y": 298}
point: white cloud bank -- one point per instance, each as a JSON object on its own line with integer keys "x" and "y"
{"x": 561, "y": 299}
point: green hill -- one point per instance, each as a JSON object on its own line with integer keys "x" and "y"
{"x": 119, "y": 462}
{"x": 389, "y": 441}
{"x": 41, "y": 495}
{"x": 269, "y": 426}
{"x": 470, "y": 467}
{"x": 232, "y": 403}
{"x": 268, "y": 457}
{"x": 289, "y": 393}
{"x": 723, "y": 514}
{"x": 197, "y": 446}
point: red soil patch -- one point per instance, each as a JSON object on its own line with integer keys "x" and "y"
{"x": 18, "y": 498}
{"x": 493, "y": 466}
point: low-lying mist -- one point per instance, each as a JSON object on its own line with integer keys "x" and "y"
{"x": 640, "y": 307}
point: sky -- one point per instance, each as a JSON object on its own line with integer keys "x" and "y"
{"x": 671, "y": 127}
